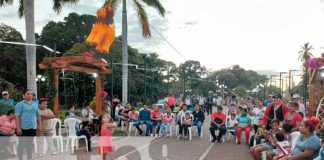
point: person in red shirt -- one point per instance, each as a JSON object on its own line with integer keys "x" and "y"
{"x": 218, "y": 122}
{"x": 275, "y": 110}
{"x": 293, "y": 117}
{"x": 171, "y": 101}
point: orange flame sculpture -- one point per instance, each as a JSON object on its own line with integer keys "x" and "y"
{"x": 103, "y": 32}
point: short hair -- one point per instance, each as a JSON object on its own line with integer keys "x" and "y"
{"x": 27, "y": 90}
{"x": 70, "y": 107}
{"x": 294, "y": 104}
{"x": 275, "y": 121}
{"x": 42, "y": 100}
{"x": 287, "y": 127}
{"x": 11, "y": 111}
{"x": 219, "y": 108}
{"x": 280, "y": 137}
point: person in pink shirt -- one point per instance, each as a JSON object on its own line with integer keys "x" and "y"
{"x": 7, "y": 128}
{"x": 167, "y": 120}
{"x": 292, "y": 116}
{"x": 133, "y": 115}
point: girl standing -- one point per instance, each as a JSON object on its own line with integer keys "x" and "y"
{"x": 106, "y": 130}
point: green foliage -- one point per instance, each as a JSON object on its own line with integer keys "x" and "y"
{"x": 51, "y": 91}
{"x": 13, "y": 58}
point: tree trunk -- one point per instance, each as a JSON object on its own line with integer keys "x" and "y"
{"x": 125, "y": 55}
{"x": 30, "y": 50}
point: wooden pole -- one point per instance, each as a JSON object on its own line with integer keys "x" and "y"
{"x": 99, "y": 97}
{"x": 57, "y": 100}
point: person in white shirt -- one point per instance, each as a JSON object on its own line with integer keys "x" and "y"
{"x": 302, "y": 108}
{"x": 258, "y": 111}
{"x": 231, "y": 123}
{"x": 87, "y": 113}
{"x": 188, "y": 101}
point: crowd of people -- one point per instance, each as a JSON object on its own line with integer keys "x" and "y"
{"x": 267, "y": 124}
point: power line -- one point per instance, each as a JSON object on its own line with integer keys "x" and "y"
{"x": 164, "y": 39}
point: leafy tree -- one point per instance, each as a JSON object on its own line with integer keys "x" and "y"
{"x": 304, "y": 55}
{"x": 12, "y": 58}
{"x": 26, "y": 8}
{"x": 143, "y": 21}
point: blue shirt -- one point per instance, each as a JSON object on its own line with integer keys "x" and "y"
{"x": 244, "y": 121}
{"x": 310, "y": 143}
{"x": 28, "y": 113}
{"x": 11, "y": 101}
{"x": 144, "y": 115}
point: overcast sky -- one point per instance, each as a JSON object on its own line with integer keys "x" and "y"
{"x": 256, "y": 34}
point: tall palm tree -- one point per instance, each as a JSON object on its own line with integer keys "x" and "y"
{"x": 304, "y": 55}
{"x": 143, "y": 22}
{"x": 26, "y": 8}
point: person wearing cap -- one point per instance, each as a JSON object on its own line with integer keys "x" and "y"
{"x": 275, "y": 110}
{"x": 302, "y": 109}
{"x": 218, "y": 123}
{"x": 269, "y": 100}
{"x": 7, "y": 102}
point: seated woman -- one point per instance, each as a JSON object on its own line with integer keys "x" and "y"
{"x": 292, "y": 116}
{"x": 256, "y": 150}
{"x": 232, "y": 124}
{"x": 308, "y": 144}
{"x": 156, "y": 119}
{"x": 133, "y": 115}
{"x": 244, "y": 125}
{"x": 7, "y": 128}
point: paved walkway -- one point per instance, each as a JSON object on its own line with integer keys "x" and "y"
{"x": 164, "y": 148}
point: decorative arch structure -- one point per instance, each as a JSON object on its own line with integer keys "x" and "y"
{"x": 83, "y": 64}
{"x": 316, "y": 77}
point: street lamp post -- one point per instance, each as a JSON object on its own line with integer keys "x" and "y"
{"x": 39, "y": 79}
{"x": 281, "y": 84}
{"x": 271, "y": 76}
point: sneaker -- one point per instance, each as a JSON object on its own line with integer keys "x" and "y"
{"x": 179, "y": 136}
{"x": 185, "y": 137}
{"x": 140, "y": 133}
{"x": 168, "y": 135}
{"x": 151, "y": 135}
{"x": 156, "y": 135}
{"x": 214, "y": 140}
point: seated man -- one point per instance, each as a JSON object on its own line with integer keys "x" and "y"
{"x": 80, "y": 125}
{"x": 144, "y": 118}
{"x": 88, "y": 115}
{"x": 218, "y": 123}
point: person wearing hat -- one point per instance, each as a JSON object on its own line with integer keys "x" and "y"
{"x": 302, "y": 108}
{"x": 8, "y": 102}
{"x": 218, "y": 123}
{"x": 275, "y": 110}
{"x": 269, "y": 100}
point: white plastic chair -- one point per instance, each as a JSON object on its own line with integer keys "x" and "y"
{"x": 58, "y": 137}
{"x": 294, "y": 137}
{"x": 70, "y": 125}
{"x": 15, "y": 146}
{"x": 130, "y": 127}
